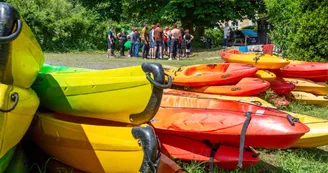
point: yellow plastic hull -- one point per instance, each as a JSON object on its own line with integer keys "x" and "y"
{"x": 14, "y": 124}
{"x": 266, "y": 75}
{"x": 123, "y": 94}
{"x": 318, "y": 88}
{"x": 264, "y": 62}
{"x": 309, "y": 98}
{"x": 24, "y": 61}
{"x": 98, "y": 146}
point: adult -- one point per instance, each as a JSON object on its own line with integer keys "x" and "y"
{"x": 145, "y": 41}
{"x": 166, "y": 40}
{"x": 158, "y": 37}
{"x": 181, "y": 43}
{"x": 122, "y": 38}
{"x": 188, "y": 38}
{"x": 136, "y": 40}
{"x": 175, "y": 34}
{"x": 110, "y": 42}
{"x": 226, "y": 34}
{"x": 151, "y": 41}
{"x": 132, "y": 42}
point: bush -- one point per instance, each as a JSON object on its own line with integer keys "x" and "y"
{"x": 300, "y": 28}
{"x": 216, "y": 35}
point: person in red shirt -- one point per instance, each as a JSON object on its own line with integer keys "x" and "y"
{"x": 158, "y": 37}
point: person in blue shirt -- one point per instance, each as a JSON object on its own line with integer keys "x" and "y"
{"x": 110, "y": 42}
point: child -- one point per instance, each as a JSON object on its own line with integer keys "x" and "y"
{"x": 188, "y": 37}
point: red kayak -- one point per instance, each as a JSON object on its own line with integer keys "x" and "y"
{"x": 245, "y": 87}
{"x": 316, "y": 71}
{"x": 281, "y": 87}
{"x": 227, "y": 125}
{"x": 225, "y": 157}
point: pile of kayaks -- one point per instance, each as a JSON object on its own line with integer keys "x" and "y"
{"x": 135, "y": 119}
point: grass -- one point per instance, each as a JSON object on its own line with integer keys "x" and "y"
{"x": 285, "y": 161}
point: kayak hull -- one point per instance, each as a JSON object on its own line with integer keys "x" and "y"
{"x": 266, "y": 75}
{"x": 318, "y": 88}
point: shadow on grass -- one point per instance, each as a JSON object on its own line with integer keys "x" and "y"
{"x": 315, "y": 154}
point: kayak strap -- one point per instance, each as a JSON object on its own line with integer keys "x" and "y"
{"x": 292, "y": 120}
{"x": 214, "y": 149}
{"x": 242, "y": 138}
{"x": 14, "y": 97}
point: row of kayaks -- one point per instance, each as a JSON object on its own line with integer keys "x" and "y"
{"x": 127, "y": 120}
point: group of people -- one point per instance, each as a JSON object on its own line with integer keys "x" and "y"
{"x": 156, "y": 42}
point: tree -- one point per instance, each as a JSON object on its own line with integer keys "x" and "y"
{"x": 300, "y": 28}
{"x": 191, "y": 13}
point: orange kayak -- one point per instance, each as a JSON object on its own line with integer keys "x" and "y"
{"x": 225, "y": 157}
{"x": 211, "y": 74}
{"x": 245, "y": 87}
{"x": 225, "y": 126}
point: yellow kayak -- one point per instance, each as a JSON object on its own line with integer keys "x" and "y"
{"x": 309, "y": 98}
{"x": 266, "y": 75}
{"x": 23, "y": 54}
{"x": 264, "y": 61}
{"x": 128, "y": 95}
{"x": 18, "y": 106}
{"x": 93, "y": 145}
{"x": 318, "y": 135}
{"x": 306, "y": 85}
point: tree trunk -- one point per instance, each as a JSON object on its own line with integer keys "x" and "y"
{"x": 200, "y": 30}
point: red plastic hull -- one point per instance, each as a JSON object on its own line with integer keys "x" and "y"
{"x": 281, "y": 87}
{"x": 187, "y": 149}
{"x": 316, "y": 71}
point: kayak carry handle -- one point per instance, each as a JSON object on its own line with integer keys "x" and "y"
{"x": 14, "y": 97}
{"x": 158, "y": 85}
{"x": 150, "y": 146}
{"x": 7, "y": 39}
{"x": 9, "y": 17}
{"x": 292, "y": 120}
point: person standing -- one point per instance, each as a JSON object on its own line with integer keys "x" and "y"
{"x": 166, "y": 39}
{"x": 151, "y": 42}
{"x": 121, "y": 40}
{"x": 226, "y": 34}
{"x": 188, "y": 37}
{"x": 136, "y": 40}
{"x": 132, "y": 42}
{"x": 110, "y": 42}
{"x": 158, "y": 37}
{"x": 145, "y": 41}
{"x": 175, "y": 34}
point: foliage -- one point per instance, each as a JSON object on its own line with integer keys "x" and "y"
{"x": 216, "y": 36}
{"x": 300, "y": 28}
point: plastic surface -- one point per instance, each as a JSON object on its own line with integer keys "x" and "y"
{"x": 264, "y": 61}
{"x": 90, "y": 145}
{"x": 266, "y": 75}
{"x": 14, "y": 124}
{"x": 245, "y": 87}
{"x": 309, "y": 98}
{"x": 210, "y": 74}
{"x": 306, "y": 85}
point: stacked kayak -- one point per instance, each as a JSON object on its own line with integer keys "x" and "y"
{"x": 210, "y": 74}
{"x": 318, "y": 135}
{"x": 20, "y": 60}
{"x": 306, "y": 85}
{"x": 281, "y": 87}
{"x": 266, "y": 75}
{"x": 127, "y": 95}
{"x": 262, "y": 61}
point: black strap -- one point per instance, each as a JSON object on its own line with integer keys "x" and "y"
{"x": 214, "y": 149}
{"x": 242, "y": 138}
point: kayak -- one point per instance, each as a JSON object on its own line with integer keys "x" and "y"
{"x": 245, "y": 87}
{"x": 225, "y": 126}
{"x": 309, "y": 98}
{"x": 128, "y": 95}
{"x": 281, "y": 87}
{"x": 17, "y": 108}
{"x": 210, "y": 74}
{"x": 306, "y": 85}
{"x": 87, "y": 144}
{"x": 18, "y": 163}
{"x": 6, "y": 159}
{"x": 262, "y": 61}
{"x": 166, "y": 165}
{"x": 266, "y": 75}
{"x": 226, "y": 156}
{"x": 318, "y": 135}
{"x": 20, "y": 53}
{"x": 47, "y": 68}
{"x": 316, "y": 71}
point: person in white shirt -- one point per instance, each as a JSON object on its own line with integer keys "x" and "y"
{"x": 226, "y": 32}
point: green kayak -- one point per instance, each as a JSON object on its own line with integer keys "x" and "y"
{"x": 18, "y": 163}
{"x": 5, "y": 160}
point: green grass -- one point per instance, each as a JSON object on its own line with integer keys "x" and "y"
{"x": 275, "y": 161}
